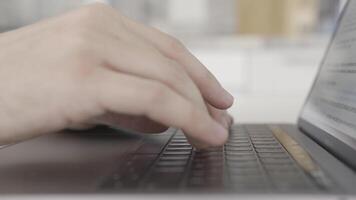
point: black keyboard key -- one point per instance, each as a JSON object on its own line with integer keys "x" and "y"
{"x": 128, "y": 175}
{"x": 175, "y": 158}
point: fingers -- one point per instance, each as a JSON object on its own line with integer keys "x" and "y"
{"x": 221, "y": 116}
{"x": 147, "y": 80}
{"x": 121, "y": 93}
{"x": 212, "y": 91}
{"x": 150, "y": 64}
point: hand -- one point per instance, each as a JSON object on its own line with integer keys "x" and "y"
{"x": 94, "y": 65}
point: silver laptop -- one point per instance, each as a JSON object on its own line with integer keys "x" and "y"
{"x": 316, "y": 156}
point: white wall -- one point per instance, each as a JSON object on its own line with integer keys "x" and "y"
{"x": 270, "y": 81}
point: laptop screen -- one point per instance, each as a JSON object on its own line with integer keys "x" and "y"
{"x": 331, "y": 105}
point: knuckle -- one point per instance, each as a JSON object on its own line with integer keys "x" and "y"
{"x": 83, "y": 71}
{"x": 207, "y": 77}
{"x": 94, "y": 9}
{"x": 89, "y": 15}
{"x": 174, "y": 47}
{"x": 80, "y": 43}
{"x": 82, "y": 75}
{"x": 177, "y": 75}
{"x": 158, "y": 93}
{"x": 82, "y": 62}
{"x": 80, "y": 49}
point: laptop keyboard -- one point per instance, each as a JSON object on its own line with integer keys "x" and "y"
{"x": 251, "y": 160}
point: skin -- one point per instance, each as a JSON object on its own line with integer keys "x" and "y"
{"x": 95, "y": 66}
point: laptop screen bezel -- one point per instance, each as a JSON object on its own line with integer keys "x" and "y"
{"x": 333, "y": 144}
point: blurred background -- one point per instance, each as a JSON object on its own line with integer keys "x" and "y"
{"x": 265, "y": 52}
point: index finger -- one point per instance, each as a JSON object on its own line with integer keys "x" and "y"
{"x": 210, "y": 88}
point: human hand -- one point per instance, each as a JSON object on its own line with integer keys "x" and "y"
{"x": 94, "y": 65}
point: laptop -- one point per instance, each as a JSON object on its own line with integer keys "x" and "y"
{"x": 315, "y": 156}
